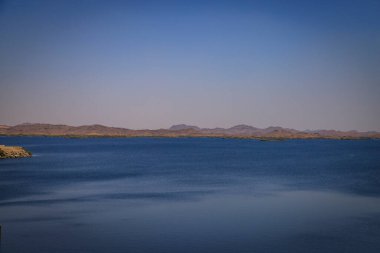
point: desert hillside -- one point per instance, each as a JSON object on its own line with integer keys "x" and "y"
{"x": 239, "y": 131}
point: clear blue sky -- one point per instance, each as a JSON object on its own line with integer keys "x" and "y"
{"x": 150, "y": 64}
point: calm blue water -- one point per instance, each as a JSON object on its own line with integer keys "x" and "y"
{"x": 190, "y": 195}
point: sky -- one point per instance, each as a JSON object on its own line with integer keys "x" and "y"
{"x": 151, "y": 64}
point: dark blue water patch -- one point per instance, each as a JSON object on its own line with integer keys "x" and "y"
{"x": 37, "y": 219}
{"x": 358, "y": 234}
{"x": 161, "y": 196}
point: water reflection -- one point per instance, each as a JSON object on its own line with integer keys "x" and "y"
{"x": 212, "y": 222}
{"x": 169, "y": 196}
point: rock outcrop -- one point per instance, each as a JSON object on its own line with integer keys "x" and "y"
{"x": 13, "y": 152}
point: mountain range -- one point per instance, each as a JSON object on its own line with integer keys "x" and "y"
{"x": 182, "y": 130}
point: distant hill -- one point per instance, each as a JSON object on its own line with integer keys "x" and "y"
{"x": 243, "y": 129}
{"x": 182, "y": 130}
{"x": 183, "y": 127}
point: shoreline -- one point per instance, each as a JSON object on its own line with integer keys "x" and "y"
{"x": 267, "y": 138}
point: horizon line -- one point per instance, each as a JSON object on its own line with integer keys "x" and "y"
{"x": 191, "y": 125}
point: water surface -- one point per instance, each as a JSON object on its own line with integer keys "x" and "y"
{"x": 190, "y": 195}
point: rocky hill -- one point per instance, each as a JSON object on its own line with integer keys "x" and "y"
{"x": 238, "y": 131}
{"x": 183, "y": 127}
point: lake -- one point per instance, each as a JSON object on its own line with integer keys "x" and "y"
{"x": 190, "y": 195}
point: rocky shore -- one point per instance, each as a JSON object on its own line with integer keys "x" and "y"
{"x": 13, "y": 152}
